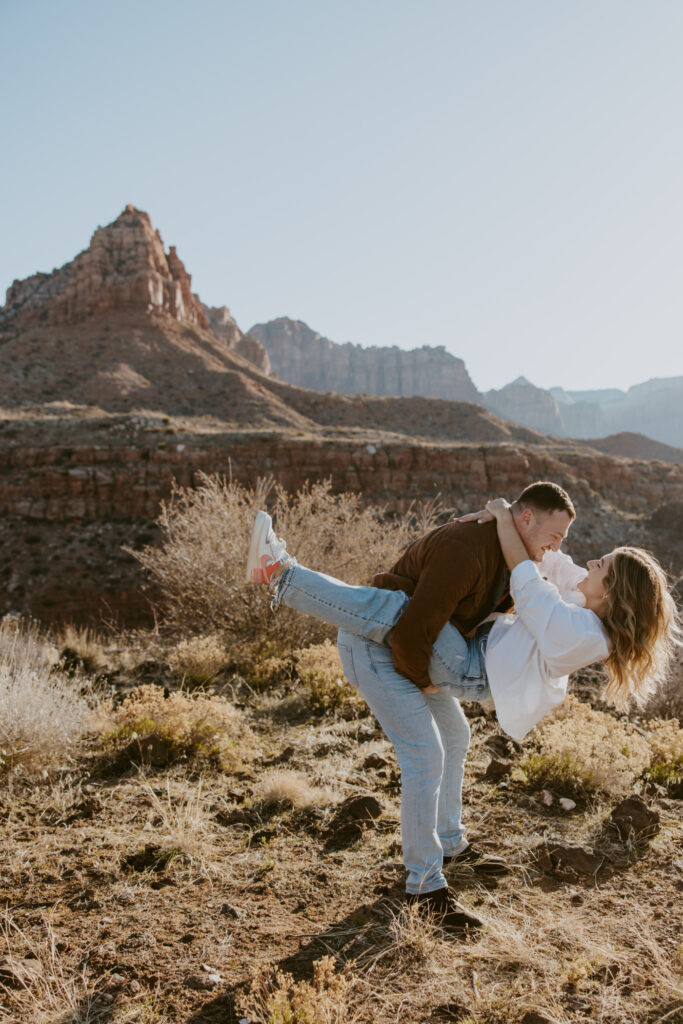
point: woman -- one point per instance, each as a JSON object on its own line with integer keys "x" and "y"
{"x": 617, "y": 611}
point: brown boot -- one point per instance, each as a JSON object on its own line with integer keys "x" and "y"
{"x": 445, "y": 909}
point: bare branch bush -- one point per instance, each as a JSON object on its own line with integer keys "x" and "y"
{"x": 200, "y": 564}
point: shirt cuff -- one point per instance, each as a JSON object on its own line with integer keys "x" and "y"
{"x": 523, "y": 573}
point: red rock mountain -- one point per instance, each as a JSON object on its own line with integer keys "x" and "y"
{"x": 119, "y": 328}
{"x": 116, "y": 382}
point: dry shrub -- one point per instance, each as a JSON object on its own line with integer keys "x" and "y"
{"x": 189, "y": 725}
{"x": 200, "y": 565}
{"x": 667, "y": 702}
{"x": 666, "y": 744}
{"x": 199, "y": 659}
{"x": 261, "y": 669}
{"x": 289, "y": 787}
{"x": 43, "y": 712}
{"x": 580, "y": 750}
{"x": 275, "y": 998}
{"x": 321, "y": 672}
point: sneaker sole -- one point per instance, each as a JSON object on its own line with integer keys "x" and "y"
{"x": 259, "y": 535}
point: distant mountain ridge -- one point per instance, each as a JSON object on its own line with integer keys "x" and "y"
{"x": 653, "y": 408}
{"x": 120, "y": 327}
{"x": 301, "y": 356}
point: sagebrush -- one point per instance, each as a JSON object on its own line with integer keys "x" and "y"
{"x": 198, "y": 659}
{"x": 274, "y": 997}
{"x": 578, "y": 749}
{"x": 207, "y": 728}
{"x": 326, "y": 688}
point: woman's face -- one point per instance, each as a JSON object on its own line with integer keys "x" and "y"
{"x": 593, "y": 587}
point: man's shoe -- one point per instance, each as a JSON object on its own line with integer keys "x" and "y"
{"x": 446, "y": 911}
{"x": 267, "y": 553}
{"x": 481, "y": 863}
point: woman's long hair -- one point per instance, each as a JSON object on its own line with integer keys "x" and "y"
{"x": 643, "y": 625}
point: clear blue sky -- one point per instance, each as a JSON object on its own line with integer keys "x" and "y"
{"x": 503, "y": 177}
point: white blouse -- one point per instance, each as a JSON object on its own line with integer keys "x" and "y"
{"x": 529, "y": 654}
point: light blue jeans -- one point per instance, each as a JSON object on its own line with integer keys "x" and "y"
{"x": 429, "y": 731}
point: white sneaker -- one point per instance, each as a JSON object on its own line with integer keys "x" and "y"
{"x": 267, "y": 553}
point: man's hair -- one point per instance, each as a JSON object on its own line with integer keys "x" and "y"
{"x": 545, "y": 496}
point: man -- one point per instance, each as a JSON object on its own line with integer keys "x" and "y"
{"x": 453, "y": 573}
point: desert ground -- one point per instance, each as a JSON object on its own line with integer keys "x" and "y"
{"x": 201, "y": 819}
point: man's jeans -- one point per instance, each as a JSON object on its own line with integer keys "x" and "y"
{"x": 429, "y": 731}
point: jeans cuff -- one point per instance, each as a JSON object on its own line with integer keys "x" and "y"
{"x": 280, "y": 586}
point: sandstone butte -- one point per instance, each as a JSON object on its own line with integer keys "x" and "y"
{"x": 116, "y": 381}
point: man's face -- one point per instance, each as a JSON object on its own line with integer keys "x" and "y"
{"x": 542, "y": 531}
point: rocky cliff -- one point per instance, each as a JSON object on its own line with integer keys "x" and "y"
{"x": 119, "y": 329}
{"x": 222, "y": 322}
{"x": 301, "y": 356}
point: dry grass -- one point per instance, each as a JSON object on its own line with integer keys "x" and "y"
{"x": 415, "y": 937}
{"x": 44, "y": 989}
{"x": 284, "y": 786}
{"x": 183, "y": 827}
{"x": 576, "y": 953}
{"x": 184, "y": 725}
{"x": 43, "y": 713}
{"x": 580, "y": 750}
{"x": 201, "y": 562}
{"x": 86, "y": 643}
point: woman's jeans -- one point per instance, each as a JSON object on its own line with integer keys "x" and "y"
{"x": 429, "y": 731}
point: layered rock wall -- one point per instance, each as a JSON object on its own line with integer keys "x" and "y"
{"x": 101, "y": 483}
{"x": 69, "y": 512}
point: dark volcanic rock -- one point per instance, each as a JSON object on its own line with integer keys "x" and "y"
{"x": 565, "y": 860}
{"x": 634, "y": 819}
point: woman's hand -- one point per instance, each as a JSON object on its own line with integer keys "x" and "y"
{"x": 430, "y": 689}
{"x": 497, "y": 507}
{"x": 480, "y": 517}
{"x": 485, "y": 515}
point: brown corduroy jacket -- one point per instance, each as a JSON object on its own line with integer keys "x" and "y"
{"x": 455, "y": 573}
